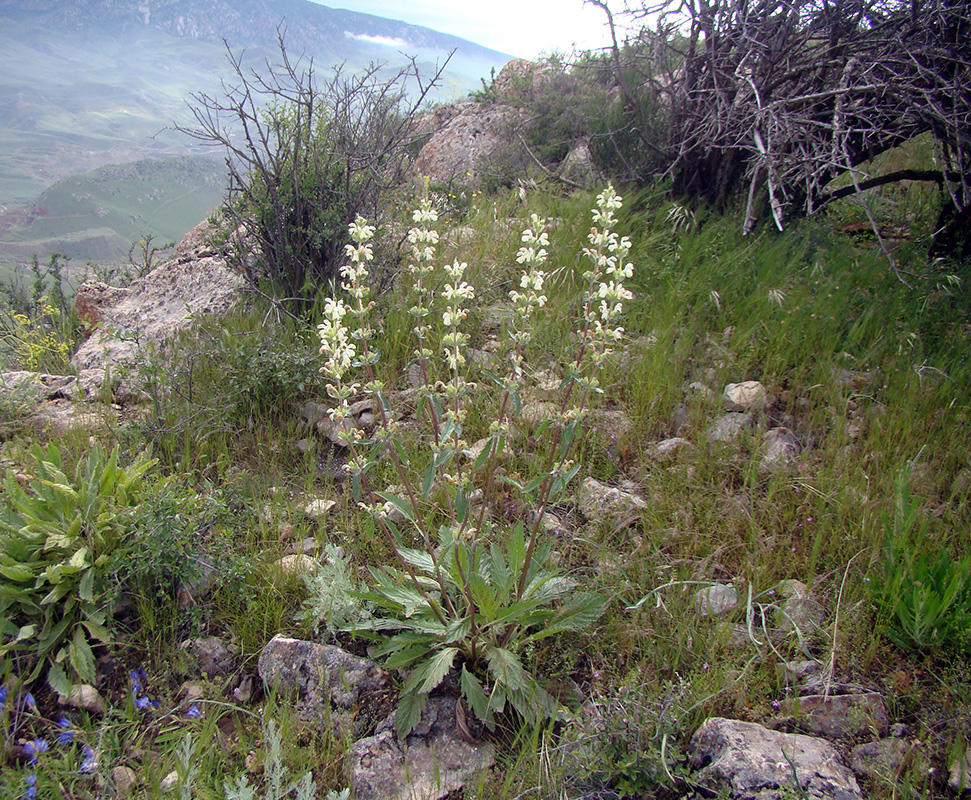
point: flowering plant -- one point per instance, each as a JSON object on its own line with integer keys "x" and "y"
{"x": 466, "y": 598}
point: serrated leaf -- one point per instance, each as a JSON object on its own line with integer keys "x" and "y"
{"x": 408, "y": 714}
{"x": 97, "y": 630}
{"x": 430, "y": 673}
{"x": 80, "y": 559}
{"x": 17, "y": 572}
{"x": 404, "y": 656}
{"x": 86, "y": 587}
{"x": 507, "y": 669}
{"x": 457, "y": 629}
{"x": 82, "y": 659}
{"x": 58, "y": 681}
{"x": 578, "y": 613}
{"x": 473, "y": 692}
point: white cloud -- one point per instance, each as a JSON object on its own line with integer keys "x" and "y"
{"x": 385, "y": 40}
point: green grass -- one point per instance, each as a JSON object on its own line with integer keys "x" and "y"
{"x": 870, "y": 375}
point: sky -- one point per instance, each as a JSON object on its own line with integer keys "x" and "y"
{"x": 523, "y": 28}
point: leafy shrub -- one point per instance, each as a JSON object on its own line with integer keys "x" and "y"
{"x": 925, "y": 594}
{"x": 334, "y": 602}
{"x": 57, "y": 540}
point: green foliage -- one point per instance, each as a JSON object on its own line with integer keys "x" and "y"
{"x": 57, "y": 540}
{"x": 334, "y": 602}
{"x": 461, "y": 609}
{"x": 276, "y": 785}
{"x": 924, "y": 592}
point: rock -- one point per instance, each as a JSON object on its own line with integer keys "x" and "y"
{"x": 840, "y": 716}
{"x": 319, "y": 673}
{"x": 883, "y": 760}
{"x": 213, "y": 655}
{"x": 716, "y": 600}
{"x": 778, "y": 450}
{"x": 802, "y": 614}
{"x": 468, "y": 142}
{"x": 244, "y": 692}
{"x": 21, "y": 386}
{"x": 125, "y": 780}
{"x": 170, "y": 782}
{"x": 597, "y": 500}
{"x": 668, "y": 448}
{"x": 87, "y": 698}
{"x": 295, "y": 566}
{"x": 317, "y": 509}
{"x": 432, "y": 762}
{"x": 699, "y": 389}
{"x": 534, "y": 414}
{"x": 612, "y": 430}
{"x": 60, "y": 417}
{"x": 745, "y": 761}
{"x": 728, "y": 427}
{"x": 579, "y": 167}
{"x": 745, "y": 396}
{"x": 190, "y": 691}
{"x": 194, "y": 283}
{"x": 793, "y": 588}
{"x": 959, "y": 772}
{"x": 793, "y": 671}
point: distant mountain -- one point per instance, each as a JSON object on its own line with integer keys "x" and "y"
{"x": 86, "y": 83}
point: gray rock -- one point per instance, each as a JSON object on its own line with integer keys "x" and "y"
{"x": 319, "y": 673}
{"x": 430, "y": 764}
{"x": 745, "y": 761}
{"x": 882, "y": 760}
{"x": 728, "y": 427}
{"x": 295, "y": 565}
{"x": 86, "y": 698}
{"x": 667, "y": 448}
{"x": 597, "y": 501}
{"x": 745, "y": 396}
{"x": 778, "y": 450}
{"x": 125, "y": 780}
{"x": 716, "y": 600}
{"x": 195, "y": 282}
{"x": 803, "y": 614}
{"x": 959, "y": 772}
{"x": 840, "y": 716}
{"x": 213, "y": 655}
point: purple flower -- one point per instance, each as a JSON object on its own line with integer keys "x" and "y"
{"x": 29, "y": 701}
{"x": 137, "y": 676}
{"x": 776, "y": 705}
{"x": 31, "y": 791}
{"x": 193, "y": 711}
{"x": 66, "y": 736}
{"x": 3, "y": 697}
{"x": 90, "y": 762}
{"x": 142, "y": 702}
{"x": 35, "y": 747}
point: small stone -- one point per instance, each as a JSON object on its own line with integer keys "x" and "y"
{"x": 214, "y": 656}
{"x": 87, "y": 698}
{"x": 959, "y": 773}
{"x": 792, "y": 671}
{"x": 840, "y": 716}
{"x": 802, "y": 614}
{"x": 317, "y": 509}
{"x": 190, "y": 691}
{"x": 882, "y": 760}
{"x": 779, "y": 450}
{"x": 728, "y": 427}
{"x": 668, "y": 447}
{"x": 169, "y": 782}
{"x": 716, "y": 600}
{"x": 745, "y": 396}
{"x": 745, "y": 761}
{"x": 793, "y": 588}
{"x": 293, "y": 566}
{"x": 125, "y": 780}
{"x": 244, "y": 692}
{"x": 597, "y": 500}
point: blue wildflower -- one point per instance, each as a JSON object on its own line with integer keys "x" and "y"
{"x": 142, "y": 702}
{"x": 35, "y": 747}
{"x": 66, "y": 736}
{"x": 193, "y": 711}
{"x": 90, "y": 762}
{"x": 31, "y": 791}
{"x": 137, "y": 676}
{"x": 30, "y": 702}
{"x": 3, "y": 697}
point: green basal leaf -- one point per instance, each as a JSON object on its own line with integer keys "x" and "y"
{"x": 429, "y": 674}
{"x": 58, "y": 681}
{"x": 82, "y": 659}
{"x": 506, "y": 668}
{"x": 578, "y": 613}
{"x": 97, "y": 630}
{"x": 80, "y": 559}
{"x": 408, "y": 713}
{"x": 418, "y": 558}
{"x": 404, "y": 657}
{"x": 478, "y": 702}
{"x": 457, "y": 629}
{"x": 86, "y": 587}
